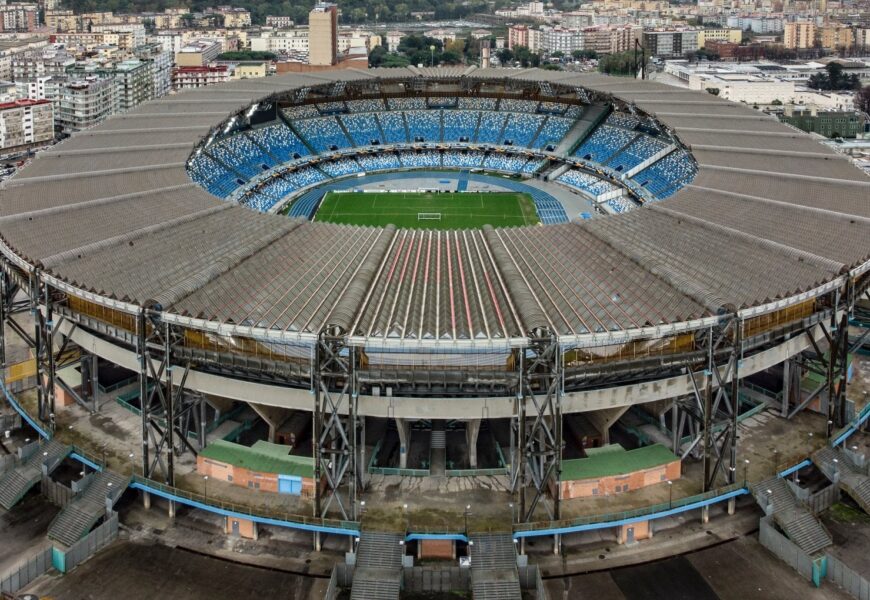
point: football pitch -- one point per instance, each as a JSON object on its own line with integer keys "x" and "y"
{"x": 426, "y": 210}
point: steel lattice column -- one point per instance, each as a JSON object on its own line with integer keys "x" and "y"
{"x": 537, "y": 435}
{"x": 167, "y": 410}
{"x": 720, "y": 401}
{"x": 335, "y": 426}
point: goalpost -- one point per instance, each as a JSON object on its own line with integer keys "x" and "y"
{"x": 428, "y": 216}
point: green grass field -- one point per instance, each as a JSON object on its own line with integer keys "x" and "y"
{"x": 466, "y": 210}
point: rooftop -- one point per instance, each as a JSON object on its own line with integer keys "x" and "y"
{"x": 614, "y": 460}
{"x": 262, "y": 457}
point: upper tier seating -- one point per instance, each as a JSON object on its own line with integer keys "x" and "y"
{"x": 667, "y": 175}
{"x": 393, "y": 124}
{"x": 323, "y": 133}
{"x": 604, "y": 143}
{"x": 424, "y": 125}
{"x": 641, "y": 149}
{"x": 363, "y": 128}
{"x": 521, "y": 128}
{"x": 491, "y": 125}
{"x": 279, "y": 141}
{"x": 459, "y": 125}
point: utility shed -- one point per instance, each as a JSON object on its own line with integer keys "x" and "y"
{"x": 613, "y": 470}
{"x": 263, "y": 466}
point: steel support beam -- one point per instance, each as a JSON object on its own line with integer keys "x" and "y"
{"x": 537, "y": 435}
{"x": 335, "y": 426}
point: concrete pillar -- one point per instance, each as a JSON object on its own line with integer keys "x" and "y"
{"x": 786, "y": 386}
{"x": 557, "y": 543}
{"x": 705, "y": 514}
{"x": 272, "y": 415}
{"x": 317, "y": 542}
{"x": 146, "y": 500}
{"x": 472, "y": 430}
{"x": 604, "y": 419}
{"x": 404, "y": 428}
{"x": 171, "y": 509}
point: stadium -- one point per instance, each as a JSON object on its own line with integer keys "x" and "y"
{"x": 571, "y": 293}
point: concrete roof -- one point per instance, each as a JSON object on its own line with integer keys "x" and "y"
{"x": 112, "y": 210}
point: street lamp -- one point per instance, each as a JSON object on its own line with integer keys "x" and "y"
{"x": 467, "y": 512}
{"x": 432, "y": 54}
{"x": 511, "y": 505}
{"x": 745, "y": 470}
{"x": 205, "y": 487}
{"x": 670, "y": 494}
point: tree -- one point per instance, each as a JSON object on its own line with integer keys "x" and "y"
{"x": 834, "y": 79}
{"x": 584, "y": 54}
{"x": 620, "y": 63}
{"x": 776, "y": 102}
{"x": 505, "y": 56}
{"x": 714, "y": 91}
{"x": 557, "y": 54}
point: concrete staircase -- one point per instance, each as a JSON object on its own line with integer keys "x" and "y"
{"x": 837, "y": 465}
{"x": 798, "y": 523}
{"x": 494, "y": 567}
{"x": 378, "y": 572}
{"x": 79, "y": 516}
{"x": 438, "y": 449}
{"x": 17, "y": 481}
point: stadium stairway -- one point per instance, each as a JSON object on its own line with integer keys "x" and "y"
{"x": 78, "y": 517}
{"x": 494, "y": 573}
{"x": 295, "y": 131}
{"x": 477, "y": 126}
{"x": 853, "y": 480}
{"x": 345, "y": 131}
{"x": 275, "y": 159}
{"x": 587, "y": 123}
{"x": 438, "y": 449}
{"x": 17, "y": 481}
{"x": 534, "y": 139}
{"x": 378, "y": 572}
{"x": 800, "y": 525}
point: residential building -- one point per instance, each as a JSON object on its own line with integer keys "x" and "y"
{"x": 89, "y": 41}
{"x": 234, "y": 18}
{"x": 394, "y": 38}
{"x": 49, "y": 61}
{"x": 280, "y": 21}
{"x": 759, "y": 24}
{"x": 25, "y": 124}
{"x": 198, "y": 53}
{"x": 59, "y": 21}
{"x": 18, "y": 17}
{"x": 323, "y": 27}
{"x": 86, "y": 102}
{"x": 136, "y": 31}
{"x": 670, "y": 44}
{"x": 720, "y": 35}
{"x": 557, "y": 39}
{"x": 135, "y": 83}
{"x": 281, "y": 42}
{"x": 834, "y": 36}
{"x": 160, "y": 65}
{"x": 799, "y": 35}
{"x": 250, "y": 69}
{"x": 184, "y": 78}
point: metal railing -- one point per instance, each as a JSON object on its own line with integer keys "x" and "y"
{"x": 149, "y": 485}
{"x": 629, "y": 514}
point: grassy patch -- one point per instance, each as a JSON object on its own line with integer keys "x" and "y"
{"x": 465, "y": 210}
{"x": 843, "y": 513}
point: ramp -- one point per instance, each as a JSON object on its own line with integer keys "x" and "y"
{"x": 18, "y": 481}
{"x": 587, "y": 123}
{"x": 378, "y": 572}
{"x": 494, "y": 567}
{"x": 836, "y": 464}
{"x": 89, "y": 506}
{"x": 795, "y": 519}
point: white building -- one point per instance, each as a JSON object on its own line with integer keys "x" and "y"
{"x": 291, "y": 40}
{"x": 25, "y": 124}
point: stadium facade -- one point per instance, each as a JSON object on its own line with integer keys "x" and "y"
{"x": 148, "y": 242}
